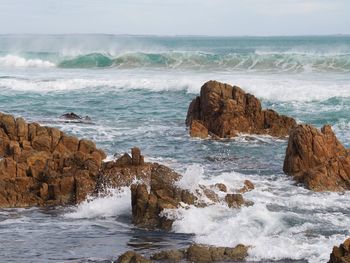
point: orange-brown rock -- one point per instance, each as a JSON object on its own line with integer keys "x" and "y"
{"x": 317, "y": 159}
{"x": 225, "y": 111}
{"x": 44, "y": 166}
{"x": 341, "y": 254}
{"x": 203, "y": 253}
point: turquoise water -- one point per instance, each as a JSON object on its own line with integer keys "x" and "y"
{"x": 136, "y": 91}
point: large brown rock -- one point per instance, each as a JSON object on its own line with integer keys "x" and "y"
{"x": 44, "y": 166}
{"x": 317, "y": 159}
{"x": 225, "y": 111}
{"x": 341, "y": 254}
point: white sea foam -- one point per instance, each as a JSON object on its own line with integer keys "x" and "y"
{"x": 286, "y": 221}
{"x": 281, "y": 88}
{"x": 17, "y": 61}
{"x": 116, "y": 203}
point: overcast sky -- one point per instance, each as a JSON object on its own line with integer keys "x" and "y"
{"x": 176, "y": 17}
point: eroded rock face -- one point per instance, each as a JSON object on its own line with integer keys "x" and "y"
{"x": 317, "y": 159}
{"x": 341, "y": 254}
{"x": 42, "y": 166}
{"x": 225, "y": 111}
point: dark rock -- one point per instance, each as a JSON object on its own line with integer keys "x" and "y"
{"x": 341, "y": 254}
{"x": 225, "y": 111}
{"x": 317, "y": 159}
{"x": 132, "y": 257}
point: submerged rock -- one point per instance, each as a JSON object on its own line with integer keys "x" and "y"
{"x": 317, "y": 159}
{"x": 71, "y": 116}
{"x": 341, "y": 254}
{"x": 225, "y": 111}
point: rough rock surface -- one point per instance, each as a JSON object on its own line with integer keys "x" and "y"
{"x": 42, "y": 166}
{"x": 149, "y": 201}
{"x": 132, "y": 257}
{"x": 224, "y": 111}
{"x": 202, "y": 253}
{"x": 341, "y": 254}
{"x": 317, "y": 159}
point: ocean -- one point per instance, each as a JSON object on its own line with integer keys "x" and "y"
{"x": 136, "y": 90}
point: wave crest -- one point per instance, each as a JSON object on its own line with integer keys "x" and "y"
{"x": 16, "y": 61}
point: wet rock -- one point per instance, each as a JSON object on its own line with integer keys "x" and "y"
{"x": 234, "y": 200}
{"x": 317, "y": 159}
{"x": 170, "y": 255}
{"x": 149, "y": 201}
{"x": 225, "y": 111}
{"x": 42, "y": 166}
{"x": 222, "y": 187}
{"x": 341, "y": 254}
{"x": 132, "y": 257}
{"x": 203, "y": 253}
{"x": 71, "y": 116}
{"x": 248, "y": 186}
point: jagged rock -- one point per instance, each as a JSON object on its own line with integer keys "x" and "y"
{"x": 44, "y": 166}
{"x": 222, "y": 187}
{"x": 341, "y": 254}
{"x": 317, "y": 159}
{"x": 225, "y": 111}
{"x": 234, "y": 200}
{"x": 132, "y": 257}
{"x": 203, "y": 253}
{"x": 248, "y": 186}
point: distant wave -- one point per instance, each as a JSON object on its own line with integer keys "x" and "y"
{"x": 191, "y": 60}
{"x": 17, "y": 61}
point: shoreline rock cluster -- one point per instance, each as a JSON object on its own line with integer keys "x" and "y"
{"x": 42, "y": 166}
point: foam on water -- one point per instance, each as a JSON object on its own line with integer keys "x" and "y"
{"x": 264, "y": 87}
{"x": 17, "y": 61}
{"x": 116, "y": 203}
{"x": 285, "y": 222}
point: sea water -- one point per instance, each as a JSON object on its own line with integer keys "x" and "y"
{"x": 136, "y": 90}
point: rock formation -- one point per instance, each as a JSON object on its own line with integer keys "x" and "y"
{"x": 132, "y": 257}
{"x": 341, "y": 254}
{"x": 44, "y": 166}
{"x": 317, "y": 159}
{"x": 149, "y": 201}
{"x": 202, "y": 253}
{"x": 194, "y": 253}
{"x": 225, "y": 111}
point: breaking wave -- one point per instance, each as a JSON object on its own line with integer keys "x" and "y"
{"x": 194, "y": 60}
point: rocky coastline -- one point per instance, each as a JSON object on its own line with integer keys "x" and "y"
{"x": 43, "y": 166}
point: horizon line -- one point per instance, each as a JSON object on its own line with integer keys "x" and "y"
{"x": 175, "y": 35}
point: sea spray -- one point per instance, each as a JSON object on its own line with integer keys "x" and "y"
{"x": 116, "y": 202}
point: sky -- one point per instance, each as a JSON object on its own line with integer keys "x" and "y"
{"x": 176, "y": 17}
